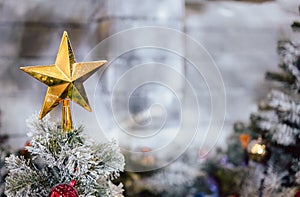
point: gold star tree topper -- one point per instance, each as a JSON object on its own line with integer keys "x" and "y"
{"x": 65, "y": 81}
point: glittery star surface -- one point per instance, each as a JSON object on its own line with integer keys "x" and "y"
{"x": 64, "y": 78}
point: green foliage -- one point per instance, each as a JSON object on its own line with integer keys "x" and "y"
{"x": 229, "y": 178}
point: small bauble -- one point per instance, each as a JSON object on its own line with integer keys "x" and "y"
{"x": 24, "y": 151}
{"x": 64, "y": 190}
{"x": 258, "y": 150}
{"x": 297, "y": 194}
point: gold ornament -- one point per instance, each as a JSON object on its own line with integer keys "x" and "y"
{"x": 65, "y": 81}
{"x": 257, "y": 150}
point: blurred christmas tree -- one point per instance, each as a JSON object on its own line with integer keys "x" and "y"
{"x": 182, "y": 177}
{"x": 63, "y": 162}
{"x": 269, "y": 165}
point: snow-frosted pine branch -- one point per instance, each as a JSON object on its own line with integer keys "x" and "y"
{"x": 59, "y": 157}
{"x": 289, "y": 55}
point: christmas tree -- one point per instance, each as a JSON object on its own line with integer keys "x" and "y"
{"x": 269, "y": 165}
{"x": 63, "y": 162}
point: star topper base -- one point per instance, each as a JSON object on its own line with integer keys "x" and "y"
{"x": 66, "y": 117}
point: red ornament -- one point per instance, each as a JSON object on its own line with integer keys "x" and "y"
{"x": 64, "y": 190}
{"x": 297, "y": 193}
{"x": 24, "y": 151}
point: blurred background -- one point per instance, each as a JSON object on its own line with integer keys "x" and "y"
{"x": 241, "y": 37}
